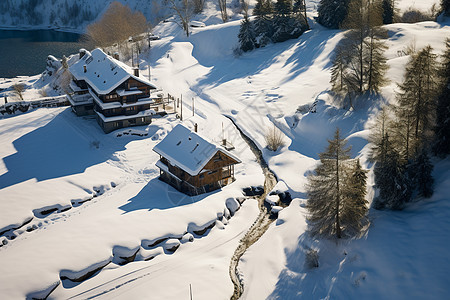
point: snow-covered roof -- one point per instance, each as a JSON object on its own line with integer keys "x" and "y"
{"x": 103, "y": 73}
{"x": 188, "y": 150}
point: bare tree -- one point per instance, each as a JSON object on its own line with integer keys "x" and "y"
{"x": 183, "y": 9}
{"x": 223, "y": 10}
{"x": 117, "y": 24}
{"x": 360, "y": 64}
{"x": 244, "y": 7}
{"x": 18, "y": 89}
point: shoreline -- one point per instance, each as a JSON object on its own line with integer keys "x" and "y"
{"x": 43, "y": 27}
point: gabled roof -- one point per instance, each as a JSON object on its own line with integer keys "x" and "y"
{"x": 103, "y": 73}
{"x": 187, "y": 150}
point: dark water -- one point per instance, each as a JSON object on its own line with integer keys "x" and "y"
{"x": 25, "y": 52}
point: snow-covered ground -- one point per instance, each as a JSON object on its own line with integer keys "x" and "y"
{"x": 110, "y": 206}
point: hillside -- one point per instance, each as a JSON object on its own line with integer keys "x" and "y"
{"x": 75, "y": 15}
{"x": 76, "y": 203}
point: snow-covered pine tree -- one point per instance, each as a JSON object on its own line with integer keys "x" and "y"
{"x": 331, "y": 13}
{"x": 282, "y": 21}
{"x": 299, "y": 10}
{"x": 286, "y": 24}
{"x": 246, "y": 35}
{"x": 326, "y": 190}
{"x": 263, "y": 24}
{"x": 390, "y": 179}
{"x": 354, "y": 208}
{"x": 441, "y": 145}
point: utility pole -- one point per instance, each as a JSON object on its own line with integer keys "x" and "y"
{"x": 149, "y": 52}
{"x": 181, "y": 118}
{"x": 193, "y": 107}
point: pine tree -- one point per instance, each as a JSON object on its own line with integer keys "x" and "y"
{"x": 299, "y": 9}
{"x": 338, "y": 72}
{"x": 282, "y": 21}
{"x": 445, "y": 4}
{"x": 331, "y": 13}
{"x": 441, "y": 145}
{"x": 374, "y": 57}
{"x": 419, "y": 172}
{"x": 355, "y": 208}
{"x": 388, "y": 11}
{"x": 378, "y": 135}
{"x": 326, "y": 189}
{"x": 366, "y": 63}
{"x": 246, "y": 35}
{"x": 391, "y": 181}
{"x": 417, "y": 100}
{"x": 263, "y": 22}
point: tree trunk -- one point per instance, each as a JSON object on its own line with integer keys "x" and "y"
{"x": 338, "y": 225}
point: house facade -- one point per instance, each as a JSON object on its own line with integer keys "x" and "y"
{"x": 192, "y": 164}
{"x": 109, "y": 89}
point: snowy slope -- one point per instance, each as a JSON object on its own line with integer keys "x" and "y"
{"x": 75, "y": 15}
{"x": 53, "y": 160}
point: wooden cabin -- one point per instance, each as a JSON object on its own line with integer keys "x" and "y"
{"x": 110, "y": 90}
{"x": 192, "y": 164}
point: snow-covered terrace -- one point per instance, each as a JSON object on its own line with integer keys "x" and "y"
{"x": 79, "y": 99}
{"x": 141, "y": 114}
{"x": 130, "y": 92}
{"x": 75, "y": 87}
{"x": 112, "y": 105}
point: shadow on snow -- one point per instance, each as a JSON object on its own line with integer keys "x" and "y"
{"x": 65, "y": 146}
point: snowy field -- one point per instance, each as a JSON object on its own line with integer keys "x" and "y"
{"x": 77, "y": 203}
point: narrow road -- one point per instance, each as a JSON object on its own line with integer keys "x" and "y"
{"x": 261, "y": 223}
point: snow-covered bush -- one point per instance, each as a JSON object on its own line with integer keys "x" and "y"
{"x": 232, "y": 205}
{"x": 312, "y": 259}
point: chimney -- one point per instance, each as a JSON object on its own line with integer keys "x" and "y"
{"x": 85, "y": 68}
{"x": 136, "y": 72}
{"x": 116, "y": 55}
{"x": 195, "y": 127}
{"x": 82, "y": 52}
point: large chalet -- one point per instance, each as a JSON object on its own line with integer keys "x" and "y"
{"x": 192, "y": 164}
{"x": 106, "y": 87}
